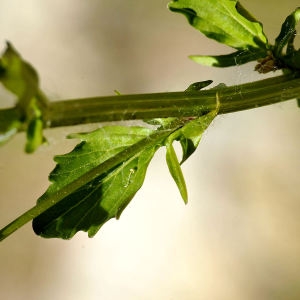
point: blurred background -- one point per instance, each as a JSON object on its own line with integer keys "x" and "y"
{"x": 238, "y": 237}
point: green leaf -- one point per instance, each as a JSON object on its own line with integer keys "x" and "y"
{"x": 34, "y": 135}
{"x": 20, "y": 78}
{"x": 189, "y": 136}
{"x": 287, "y": 33}
{"x": 175, "y": 170}
{"x": 122, "y": 155}
{"x": 17, "y": 75}
{"x": 225, "y": 21}
{"x": 237, "y": 58}
{"x": 288, "y": 57}
{"x": 197, "y": 86}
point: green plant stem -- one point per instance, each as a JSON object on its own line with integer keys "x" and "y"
{"x": 147, "y": 106}
{"x": 163, "y": 105}
{"x": 173, "y": 104}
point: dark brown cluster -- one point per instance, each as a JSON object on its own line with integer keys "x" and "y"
{"x": 267, "y": 64}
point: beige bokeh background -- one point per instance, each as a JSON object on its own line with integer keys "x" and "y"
{"x": 238, "y": 238}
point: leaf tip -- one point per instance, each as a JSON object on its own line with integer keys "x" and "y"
{"x": 185, "y": 199}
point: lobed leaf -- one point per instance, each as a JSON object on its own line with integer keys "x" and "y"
{"x": 225, "y": 21}
{"x": 104, "y": 197}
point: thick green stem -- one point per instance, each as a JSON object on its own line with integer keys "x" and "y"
{"x": 174, "y": 104}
